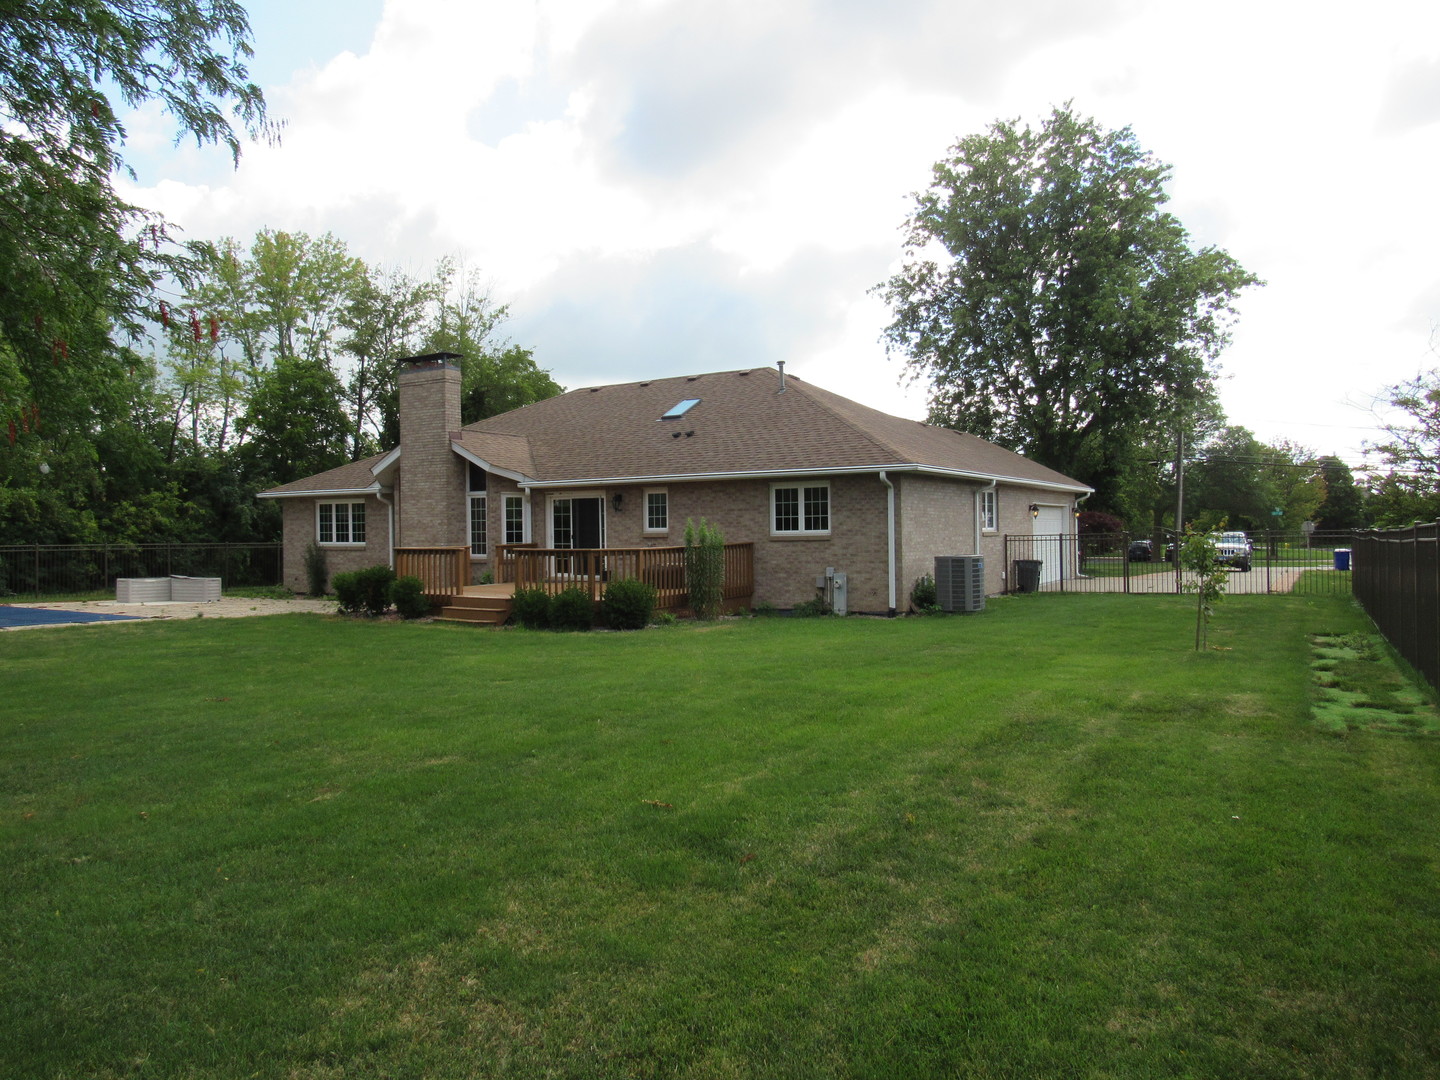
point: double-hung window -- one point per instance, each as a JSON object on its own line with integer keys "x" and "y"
{"x": 340, "y": 523}
{"x": 657, "y": 511}
{"x": 989, "y": 511}
{"x": 800, "y": 509}
{"x": 479, "y": 546}
{"x": 514, "y": 519}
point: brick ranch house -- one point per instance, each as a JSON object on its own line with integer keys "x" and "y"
{"x": 797, "y": 478}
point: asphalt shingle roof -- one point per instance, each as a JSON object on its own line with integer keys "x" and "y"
{"x": 743, "y": 423}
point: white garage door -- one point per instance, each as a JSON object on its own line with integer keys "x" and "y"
{"x": 1049, "y": 524}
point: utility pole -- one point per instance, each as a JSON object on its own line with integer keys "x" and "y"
{"x": 1179, "y": 485}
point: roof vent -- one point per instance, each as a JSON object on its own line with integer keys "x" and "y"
{"x": 781, "y": 365}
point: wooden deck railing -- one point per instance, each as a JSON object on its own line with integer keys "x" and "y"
{"x": 505, "y": 560}
{"x": 554, "y": 569}
{"x": 443, "y": 570}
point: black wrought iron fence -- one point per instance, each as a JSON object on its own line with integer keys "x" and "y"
{"x": 1268, "y": 563}
{"x": 82, "y": 570}
{"x": 1397, "y": 582}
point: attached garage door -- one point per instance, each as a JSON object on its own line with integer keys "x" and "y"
{"x": 1050, "y": 524}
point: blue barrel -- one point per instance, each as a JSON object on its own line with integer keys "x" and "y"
{"x": 1342, "y": 558}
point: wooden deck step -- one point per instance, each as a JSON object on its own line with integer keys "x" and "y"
{"x": 484, "y": 610}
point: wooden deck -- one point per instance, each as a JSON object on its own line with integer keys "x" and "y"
{"x": 444, "y": 570}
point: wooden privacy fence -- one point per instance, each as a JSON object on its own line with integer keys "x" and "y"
{"x": 555, "y": 569}
{"x": 443, "y": 570}
{"x": 1397, "y": 581}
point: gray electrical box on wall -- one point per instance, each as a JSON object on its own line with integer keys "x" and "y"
{"x": 960, "y": 582}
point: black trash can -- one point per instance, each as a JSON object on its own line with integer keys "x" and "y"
{"x": 1027, "y": 575}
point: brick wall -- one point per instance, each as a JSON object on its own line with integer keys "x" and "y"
{"x": 299, "y": 524}
{"x": 935, "y": 517}
{"x": 430, "y": 491}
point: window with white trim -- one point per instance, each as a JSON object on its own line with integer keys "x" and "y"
{"x": 989, "y": 511}
{"x": 340, "y": 522}
{"x": 476, "y": 506}
{"x": 657, "y": 510}
{"x": 478, "y": 547}
{"x": 800, "y": 509}
{"x": 514, "y": 519}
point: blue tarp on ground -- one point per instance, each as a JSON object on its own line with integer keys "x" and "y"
{"x": 25, "y": 616}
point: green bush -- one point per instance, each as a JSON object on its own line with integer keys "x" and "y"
{"x": 315, "y": 569}
{"x": 408, "y": 595}
{"x": 375, "y": 584}
{"x": 347, "y": 592}
{"x": 663, "y": 618}
{"x": 572, "y": 609}
{"x": 364, "y": 592}
{"x": 531, "y": 608}
{"x": 811, "y": 609}
{"x": 922, "y": 594}
{"x": 765, "y": 610}
{"x": 628, "y": 604}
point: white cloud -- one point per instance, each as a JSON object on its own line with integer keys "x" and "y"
{"x": 667, "y": 186}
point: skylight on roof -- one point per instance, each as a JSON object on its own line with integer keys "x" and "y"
{"x": 681, "y": 409}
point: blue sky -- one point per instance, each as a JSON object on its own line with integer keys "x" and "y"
{"x": 659, "y": 187}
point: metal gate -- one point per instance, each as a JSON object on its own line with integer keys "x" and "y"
{"x": 1278, "y": 563}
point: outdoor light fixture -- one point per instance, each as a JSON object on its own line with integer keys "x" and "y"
{"x": 617, "y": 500}
{"x": 1034, "y": 510}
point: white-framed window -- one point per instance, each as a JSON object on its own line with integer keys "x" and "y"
{"x": 340, "y": 522}
{"x": 657, "y": 510}
{"x": 989, "y": 511}
{"x": 800, "y": 509}
{"x": 514, "y": 519}
{"x": 478, "y": 545}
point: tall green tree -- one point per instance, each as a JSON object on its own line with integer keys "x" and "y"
{"x": 1343, "y": 505}
{"x": 1408, "y": 490}
{"x": 77, "y": 263}
{"x": 1054, "y": 305}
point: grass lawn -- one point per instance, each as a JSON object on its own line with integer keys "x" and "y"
{"x": 1050, "y": 840}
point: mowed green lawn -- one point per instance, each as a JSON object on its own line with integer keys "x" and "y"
{"x": 1046, "y": 841}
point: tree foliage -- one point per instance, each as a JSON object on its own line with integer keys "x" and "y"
{"x": 1053, "y": 304}
{"x": 1409, "y": 488}
{"x": 1342, "y": 506}
{"x": 1205, "y": 576}
{"x": 79, "y": 263}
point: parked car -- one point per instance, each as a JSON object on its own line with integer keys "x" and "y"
{"x": 1235, "y": 549}
{"x": 1140, "y": 551}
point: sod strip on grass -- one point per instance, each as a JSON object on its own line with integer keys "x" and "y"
{"x": 1047, "y": 840}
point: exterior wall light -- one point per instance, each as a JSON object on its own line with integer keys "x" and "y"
{"x": 1034, "y": 510}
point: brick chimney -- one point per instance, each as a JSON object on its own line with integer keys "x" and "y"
{"x": 431, "y": 487}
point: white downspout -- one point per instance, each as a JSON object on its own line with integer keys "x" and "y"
{"x": 390, "y": 514}
{"x": 890, "y": 535}
{"x": 978, "y": 503}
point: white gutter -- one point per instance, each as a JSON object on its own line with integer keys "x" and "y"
{"x": 979, "y": 532}
{"x": 390, "y": 524}
{"x": 781, "y": 474}
{"x": 890, "y": 535}
{"x": 373, "y": 489}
